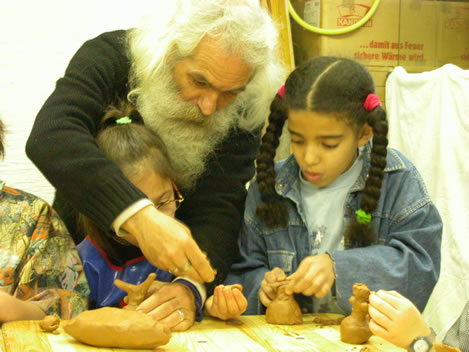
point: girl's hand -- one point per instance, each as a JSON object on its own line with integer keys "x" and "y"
{"x": 227, "y": 302}
{"x": 395, "y": 318}
{"x": 314, "y": 276}
{"x": 268, "y": 290}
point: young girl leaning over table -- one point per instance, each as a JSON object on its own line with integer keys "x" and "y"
{"x": 40, "y": 269}
{"x": 343, "y": 208}
{"x": 142, "y": 156}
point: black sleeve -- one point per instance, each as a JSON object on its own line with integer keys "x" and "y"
{"x": 62, "y": 141}
{"x": 214, "y": 211}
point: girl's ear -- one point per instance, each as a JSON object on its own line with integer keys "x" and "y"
{"x": 365, "y": 134}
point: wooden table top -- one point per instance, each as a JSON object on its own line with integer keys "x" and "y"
{"x": 249, "y": 333}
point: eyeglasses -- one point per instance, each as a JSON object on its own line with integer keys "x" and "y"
{"x": 171, "y": 205}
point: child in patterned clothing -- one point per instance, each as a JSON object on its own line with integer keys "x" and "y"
{"x": 40, "y": 269}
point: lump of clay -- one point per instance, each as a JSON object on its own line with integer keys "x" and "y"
{"x": 49, "y": 323}
{"x": 114, "y": 327}
{"x": 283, "y": 309}
{"x": 445, "y": 348}
{"x": 354, "y": 328}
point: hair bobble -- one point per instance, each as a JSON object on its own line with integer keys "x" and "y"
{"x": 371, "y": 102}
{"x": 363, "y": 217}
{"x": 124, "y": 120}
{"x": 281, "y": 91}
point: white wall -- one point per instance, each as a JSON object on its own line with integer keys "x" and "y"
{"x": 37, "y": 40}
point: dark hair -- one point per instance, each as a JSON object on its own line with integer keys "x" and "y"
{"x": 132, "y": 146}
{"x": 2, "y": 136}
{"x": 327, "y": 85}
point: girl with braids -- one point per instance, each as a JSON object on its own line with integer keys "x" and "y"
{"x": 142, "y": 156}
{"x": 343, "y": 208}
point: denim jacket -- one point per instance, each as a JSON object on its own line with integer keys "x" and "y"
{"x": 405, "y": 257}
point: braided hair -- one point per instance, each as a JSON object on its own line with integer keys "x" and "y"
{"x": 334, "y": 86}
{"x": 2, "y": 135}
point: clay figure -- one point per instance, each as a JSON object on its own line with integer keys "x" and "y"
{"x": 283, "y": 309}
{"x": 354, "y": 328}
{"x": 123, "y": 328}
{"x": 135, "y": 293}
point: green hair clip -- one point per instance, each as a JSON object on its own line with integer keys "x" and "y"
{"x": 124, "y": 120}
{"x": 363, "y": 217}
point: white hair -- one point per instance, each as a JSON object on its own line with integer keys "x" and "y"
{"x": 242, "y": 26}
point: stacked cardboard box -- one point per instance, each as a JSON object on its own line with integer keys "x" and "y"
{"x": 419, "y": 35}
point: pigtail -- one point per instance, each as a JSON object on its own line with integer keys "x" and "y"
{"x": 360, "y": 232}
{"x": 2, "y": 134}
{"x": 120, "y": 111}
{"x": 272, "y": 211}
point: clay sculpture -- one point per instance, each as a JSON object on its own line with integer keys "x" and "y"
{"x": 122, "y": 328}
{"x": 283, "y": 309}
{"x": 354, "y": 328}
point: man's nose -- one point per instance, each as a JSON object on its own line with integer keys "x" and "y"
{"x": 207, "y": 102}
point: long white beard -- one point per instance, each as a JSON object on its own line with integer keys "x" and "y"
{"x": 189, "y": 135}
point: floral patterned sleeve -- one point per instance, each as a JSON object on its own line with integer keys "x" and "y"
{"x": 38, "y": 259}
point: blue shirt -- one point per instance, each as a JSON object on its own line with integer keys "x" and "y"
{"x": 405, "y": 258}
{"x": 101, "y": 274}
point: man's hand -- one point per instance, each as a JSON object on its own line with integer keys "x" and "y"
{"x": 227, "y": 302}
{"x": 172, "y": 304}
{"x": 314, "y": 276}
{"x": 268, "y": 290}
{"x": 168, "y": 244}
{"x": 395, "y": 318}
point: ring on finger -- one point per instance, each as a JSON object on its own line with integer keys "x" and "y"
{"x": 186, "y": 266}
{"x": 181, "y": 314}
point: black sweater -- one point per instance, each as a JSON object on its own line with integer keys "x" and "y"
{"x": 62, "y": 145}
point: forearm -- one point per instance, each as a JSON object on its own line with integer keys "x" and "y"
{"x": 13, "y": 309}
{"x": 215, "y": 210}
{"x": 65, "y": 128}
{"x": 392, "y": 269}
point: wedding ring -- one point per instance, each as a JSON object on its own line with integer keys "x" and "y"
{"x": 186, "y": 266}
{"x": 175, "y": 271}
{"x": 181, "y": 314}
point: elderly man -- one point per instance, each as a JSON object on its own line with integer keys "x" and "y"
{"x": 203, "y": 79}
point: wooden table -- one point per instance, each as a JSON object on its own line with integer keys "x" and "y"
{"x": 250, "y": 333}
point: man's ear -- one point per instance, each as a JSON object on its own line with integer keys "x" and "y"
{"x": 365, "y": 134}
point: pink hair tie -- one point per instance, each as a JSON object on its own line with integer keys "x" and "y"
{"x": 371, "y": 102}
{"x": 281, "y": 91}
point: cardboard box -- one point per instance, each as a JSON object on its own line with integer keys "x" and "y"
{"x": 373, "y": 44}
{"x": 380, "y": 74}
{"x": 419, "y": 35}
{"x": 452, "y": 34}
